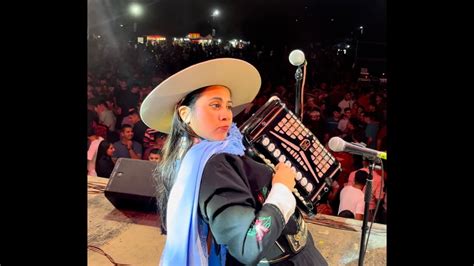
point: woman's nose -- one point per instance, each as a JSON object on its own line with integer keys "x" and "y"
{"x": 226, "y": 115}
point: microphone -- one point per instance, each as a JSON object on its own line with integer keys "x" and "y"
{"x": 339, "y": 145}
{"x": 297, "y": 57}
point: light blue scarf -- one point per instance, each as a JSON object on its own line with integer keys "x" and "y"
{"x": 186, "y": 232}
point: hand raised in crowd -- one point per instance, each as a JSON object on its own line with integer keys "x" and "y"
{"x": 129, "y": 144}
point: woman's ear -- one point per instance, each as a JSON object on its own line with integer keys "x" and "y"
{"x": 185, "y": 114}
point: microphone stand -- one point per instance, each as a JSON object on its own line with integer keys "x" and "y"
{"x": 367, "y": 197}
{"x": 298, "y": 78}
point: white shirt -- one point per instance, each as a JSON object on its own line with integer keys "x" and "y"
{"x": 283, "y": 198}
{"x": 342, "y": 124}
{"x": 376, "y": 186}
{"x": 352, "y": 199}
{"x": 108, "y": 118}
{"x": 92, "y": 156}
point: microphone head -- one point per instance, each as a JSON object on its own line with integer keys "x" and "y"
{"x": 296, "y": 57}
{"x": 337, "y": 144}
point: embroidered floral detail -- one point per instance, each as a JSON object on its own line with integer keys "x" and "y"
{"x": 260, "y": 197}
{"x": 265, "y": 191}
{"x": 260, "y": 228}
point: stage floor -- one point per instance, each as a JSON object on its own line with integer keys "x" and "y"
{"x": 134, "y": 238}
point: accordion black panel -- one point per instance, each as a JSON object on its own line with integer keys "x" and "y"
{"x": 274, "y": 134}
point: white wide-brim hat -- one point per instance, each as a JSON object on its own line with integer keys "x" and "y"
{"x": 242, "y": 79}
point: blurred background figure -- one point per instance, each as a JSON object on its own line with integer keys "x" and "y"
{"x": 155, "y": 155}
{"x": 104, "y": 163}
{"x": 94, "y": 142}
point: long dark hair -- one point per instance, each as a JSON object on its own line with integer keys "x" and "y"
{"x": 102, "y": 151}
{"x": 178, "y": 142}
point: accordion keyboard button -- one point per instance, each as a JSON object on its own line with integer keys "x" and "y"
{"x": 298, "y": 176}
{"x": 282, "y": 158}
{"x": 265, "y": 141}
{"x": 304, "y": 181}
{"x": 271, "y": 147}
{"x": 309, "y": 187}
{"x": 276, "y": 153}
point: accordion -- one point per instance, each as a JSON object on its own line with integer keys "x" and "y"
{"x": 274, "y": 134}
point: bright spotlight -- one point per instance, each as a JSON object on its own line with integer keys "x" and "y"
{"x": 136, "y": 9}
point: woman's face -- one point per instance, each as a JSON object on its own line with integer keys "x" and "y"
{"x": 154, "y": 157}
{"x": 211, "y": 116}
{"x": 110, "y": 150}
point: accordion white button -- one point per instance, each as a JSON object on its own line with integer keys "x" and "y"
{"x": 309, "y": 187}
{"x": 304, "y": 181}
{"x": 282, "y": 158}
{"x": 276, "y": 153}
{"x": 265, "y": 141}
{"x": 271, "y": 147}
{"x": 298, "y": 176}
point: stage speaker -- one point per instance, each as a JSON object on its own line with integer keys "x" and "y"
{"x": 131, "y": 185}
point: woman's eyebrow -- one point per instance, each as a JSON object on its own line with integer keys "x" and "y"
{"x": 219, "y": 98}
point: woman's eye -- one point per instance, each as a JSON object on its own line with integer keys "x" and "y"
{"x": 216, "y": 105}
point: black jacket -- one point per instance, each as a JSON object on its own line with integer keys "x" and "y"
{"x": 232, "y": 191}
{"x": 104, "y": 166}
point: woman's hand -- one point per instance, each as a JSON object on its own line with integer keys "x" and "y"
{"x": 284, "y": 175}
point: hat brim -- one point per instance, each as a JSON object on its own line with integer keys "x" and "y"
{"x": 242, "y": 79}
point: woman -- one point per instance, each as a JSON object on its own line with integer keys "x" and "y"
{"x": 104, "y": 163}
{"x": 218, "y": 206}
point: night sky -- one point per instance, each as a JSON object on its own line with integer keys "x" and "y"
{"x": 257, "y": 20}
